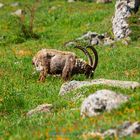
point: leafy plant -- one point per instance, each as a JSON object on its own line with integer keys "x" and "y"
{"x": 27, "y": 30}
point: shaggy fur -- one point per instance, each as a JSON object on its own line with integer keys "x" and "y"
{"x": 51, "y": 61}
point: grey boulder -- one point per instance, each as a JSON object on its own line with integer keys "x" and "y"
{"x": 100, "y": 101}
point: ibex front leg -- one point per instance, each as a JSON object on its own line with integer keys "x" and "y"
{"x": 43, "y": 75}
{"x": 44, "y": 72}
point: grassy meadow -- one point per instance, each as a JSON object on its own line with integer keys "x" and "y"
{"x": 57, "y": 22}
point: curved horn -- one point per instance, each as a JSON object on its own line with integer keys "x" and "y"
{"x": 86, "y": 53}
{"x": 95, "y": 56}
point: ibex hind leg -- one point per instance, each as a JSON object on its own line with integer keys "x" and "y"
{"x": 67, "y": 70}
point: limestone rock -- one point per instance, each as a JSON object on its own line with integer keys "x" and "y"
{"x": 108, "y": 41}
{"x": 72, "y": 85}
{"x": 100, "y": 101}
{"x": 53, "y": 8}
{"x": 88, "y": 35}
{"x": 110, "y": 133}
{"x": 15, "y": 4}
{"x": 126, "y": 129}
{"x": 120, "y": 25}
{"x": 123, "y": 10}
{"x": 92, "y": 38}
{"x": 40, "y": 109}
{"x": 71, "y": 1}
{"x": 94, "y": 41}
{"x": 18, "y": 12}
{"x": 70, "y": 43}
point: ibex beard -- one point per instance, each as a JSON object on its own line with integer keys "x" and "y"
{"x": 51, "y": 61}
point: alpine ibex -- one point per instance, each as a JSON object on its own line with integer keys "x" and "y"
{"x": 51, "y": 61}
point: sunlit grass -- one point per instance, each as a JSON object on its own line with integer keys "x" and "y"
{"x": 20, "y": 91}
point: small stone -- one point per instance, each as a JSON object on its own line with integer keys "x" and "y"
{"x": 53, "y": 8}
{"x": 110, "y": 133}
{"x": 15, "y": 4}
{"x": 71, "y": 43}
{"x": 94, "y": 41}
{"x": 44, "y": 108}
{"x": 128, "y": 129}
{"x": 89, "y": 38}
{"x": 71, "y": 1}
{"x": 18, "y": 12}
{"x": 86, "y": 36}
{"x": 108, "y": 41}
{"x": 1, "y": 5}
{"x": 125, "y": 125}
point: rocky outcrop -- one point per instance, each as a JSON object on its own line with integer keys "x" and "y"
{"x": 92, "y": 38}
{"x": 123, "y": 10}
{"x": 72, "y": 85}
{"x": 120, "y": 25}
{"x": 100, "y": 101}
{"x": 44, "y": 108}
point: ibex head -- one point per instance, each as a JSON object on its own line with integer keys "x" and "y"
{"x": 89, "y": 67}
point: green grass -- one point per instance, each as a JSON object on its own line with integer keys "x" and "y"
{"x": 20, "y": 91}
{"x": 134, "y": 22}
